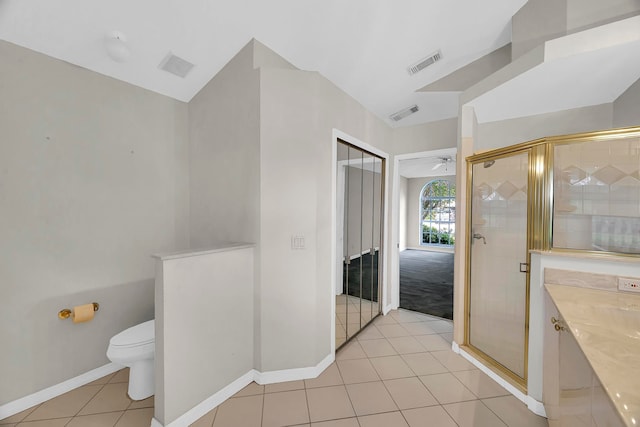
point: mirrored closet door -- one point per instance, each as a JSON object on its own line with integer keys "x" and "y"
{"x": 359, "y": 239}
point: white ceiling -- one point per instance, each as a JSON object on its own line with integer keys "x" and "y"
{"x": 363, "y": 46}
{"x": 435, "y": 163}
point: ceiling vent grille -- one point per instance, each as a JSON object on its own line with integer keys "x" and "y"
{"x": 404, "y": 113}
{"x": 424, "y": 63}
{"x": 175, "y": 65}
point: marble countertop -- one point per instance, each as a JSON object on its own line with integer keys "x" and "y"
{"x": 606, "y": 326}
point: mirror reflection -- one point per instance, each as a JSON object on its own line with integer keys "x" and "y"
{"x": 359, "y": 186}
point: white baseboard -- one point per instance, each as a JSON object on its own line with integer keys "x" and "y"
{"x": 388, "y": 308}
{"x": 269, "y": 377}
{"x": 16, "y": 406}
{"x": 534, "y": 406}
{"x": 193, "y": 414}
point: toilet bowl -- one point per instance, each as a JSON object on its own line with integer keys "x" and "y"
{"x": 135, "y": 348}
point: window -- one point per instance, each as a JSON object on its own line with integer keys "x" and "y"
{"x": 438, "y": 213}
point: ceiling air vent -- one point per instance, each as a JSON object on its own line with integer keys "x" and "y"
{"x": 404, "y": 113}
{"x": 424, "y": 63}
{"x": 175, "y": 65}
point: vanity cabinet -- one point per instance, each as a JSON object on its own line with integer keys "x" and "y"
{"x": 572, "y": 394}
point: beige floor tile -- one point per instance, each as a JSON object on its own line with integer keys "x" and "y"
{"x": 329, "y": 403}
{"x": 136, "y": 418}
{"x": 452, "y": 361}
{"x": 345, "y": 422}
{"x": 357, "y": 371}
{"x": 57, "y": 422}
{"x": 377, "y": 348}
{"x": 410, "y": 393}
{"x": 389, "y": 419}
{"x": 330, "y": 376}
{"x": 406, "y": 345}
{"x": 16, "y": 418}
{"x": 370, "y": 398}
{"x": 285, "y": 386}
{"x": 480, "y": 384}
{"x": 122, "y": 376}
{"x": 433, "y": 416}
{"x": 392, "y": 331}
{"x": 448, "y": 337}
{"x": 473, "y": 414}
{"x": 371, "y": 332}
{"x": 442, "y": 326}
{"x": 385, "y": 320}
{"x": 390, "y": 367}
{"x": 447, "y": 388}
{"x": 97, "y": 420}
{"x": 514, "y": 413}
{"x": 424, "y": 364}
{"x": 285, "y": 409}
{"x": 241, "y": 411}
{"x": 149, "y": 402}
{"x": 406, "y": 316}
{"x": 103, "y": 380}
{"x": 65, "y": 405}
{"x": 419, "y": 328}
{"x": 353, "y": 350}
{"x": 433, "y": 342}
{"x": 112, "y": 397}
{"x": 250, "y": 390}
{"x": 206, "y": 420}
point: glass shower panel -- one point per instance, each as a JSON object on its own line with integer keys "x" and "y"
{"x": 498, "y": 249}
{"x": 354, "y": 236}
{"x": 597, "y": 196}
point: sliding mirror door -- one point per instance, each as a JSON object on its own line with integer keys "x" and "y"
{"x": 359, "y": 240}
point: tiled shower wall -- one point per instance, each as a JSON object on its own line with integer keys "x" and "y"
{"x": 597, "y": 196}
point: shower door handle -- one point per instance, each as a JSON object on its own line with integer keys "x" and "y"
{"x": 524, "y": 267}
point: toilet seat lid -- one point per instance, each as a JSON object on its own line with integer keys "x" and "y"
{"x": 141, "y": 334}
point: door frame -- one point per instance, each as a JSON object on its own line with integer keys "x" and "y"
{"x": 393, "y": 248}
{"x": 383, "y": 254}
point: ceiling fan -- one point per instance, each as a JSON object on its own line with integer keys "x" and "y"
{"x": 443, "y": 161}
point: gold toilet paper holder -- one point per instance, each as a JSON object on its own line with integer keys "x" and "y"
{"x": 65, "y": 313}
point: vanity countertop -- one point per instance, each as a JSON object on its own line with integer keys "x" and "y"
{"x": 606, "y": 326}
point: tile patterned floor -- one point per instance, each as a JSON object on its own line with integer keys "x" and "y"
{"x": 399, "y": 372}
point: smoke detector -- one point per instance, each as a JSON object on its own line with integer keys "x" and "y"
{"x": 115, "y": 43}
{"x": 175, "y": 65}
{"x": 424, "y": 63}
{"x": 404, "y": 113}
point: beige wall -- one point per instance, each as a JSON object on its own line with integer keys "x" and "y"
{"x": 509, "y": 132}
{"x": 583, "y": 14}
{"x": 626, "y": 109}
{"x": 299, "y": 111}
{"x": 224, "y": 153}
{"x": 403, "y": 189}
{"x": 541, "y": 20}
{"x": 429, "y": 136}
{"x": 93, "y": 179}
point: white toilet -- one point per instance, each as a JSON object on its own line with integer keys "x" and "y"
{"x": 135, "y": 348}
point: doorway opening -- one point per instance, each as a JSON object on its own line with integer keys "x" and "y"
{"x": 426, "y": 224}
